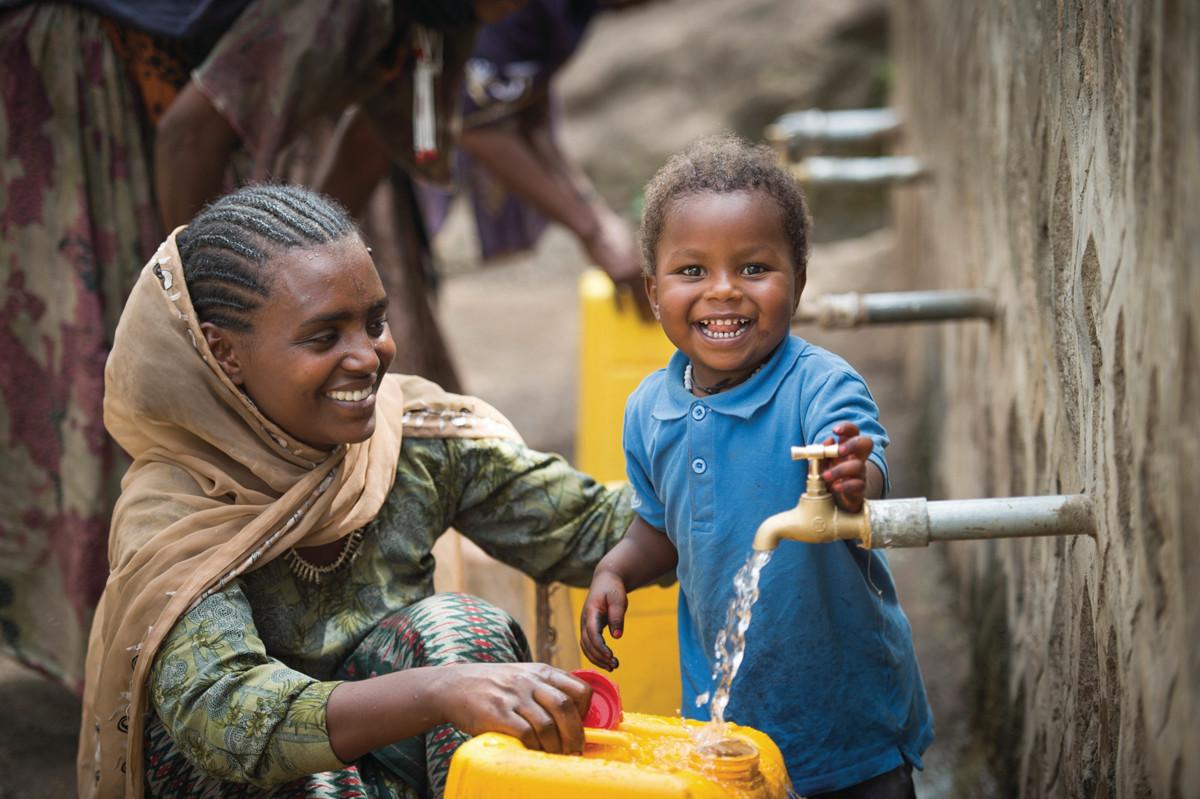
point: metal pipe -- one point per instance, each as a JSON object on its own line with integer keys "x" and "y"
{"x": 813, "y": 125}
{"x": 853, "y": 310}
{"x": 916, "y": 522}
{"x": 882, "y": 171}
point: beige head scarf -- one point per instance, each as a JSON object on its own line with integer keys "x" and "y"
{"x": 215, "y": 490}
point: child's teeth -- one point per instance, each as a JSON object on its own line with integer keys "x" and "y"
{"x": 724, "y": 328}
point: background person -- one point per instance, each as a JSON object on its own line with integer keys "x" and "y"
{"x": 261, "y": 91}
{"x": 511, "y": 161}
{"x": 78, "y": 102}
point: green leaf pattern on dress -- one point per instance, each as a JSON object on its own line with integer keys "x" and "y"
{"x": 242, "y": 681}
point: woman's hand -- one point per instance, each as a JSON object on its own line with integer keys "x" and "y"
{"x": 847, "y": 475}
{"x": 536, "y": 703}
{"x": 604, "y": 607}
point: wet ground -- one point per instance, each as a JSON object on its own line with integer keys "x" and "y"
{"x": 631, "y": 98}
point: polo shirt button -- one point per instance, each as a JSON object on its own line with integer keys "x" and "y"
{"x": 699, "y": 412}
{"x": 699, "y": 466}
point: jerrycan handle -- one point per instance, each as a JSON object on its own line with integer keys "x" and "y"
{"x": 601, "y": 737}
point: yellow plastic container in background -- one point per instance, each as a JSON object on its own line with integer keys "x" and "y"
{"x": 646, "y": 757}
{"x": 617, "y": 349}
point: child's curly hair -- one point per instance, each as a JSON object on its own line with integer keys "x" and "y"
{"x": 721, "y": 165}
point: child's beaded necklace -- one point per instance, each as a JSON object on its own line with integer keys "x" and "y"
{"x": 727, "y": 383}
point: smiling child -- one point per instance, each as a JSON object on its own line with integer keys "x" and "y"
{"x": 830, "y": 672}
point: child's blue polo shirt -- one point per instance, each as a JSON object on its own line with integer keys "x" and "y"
{"x": 829, "y": 671}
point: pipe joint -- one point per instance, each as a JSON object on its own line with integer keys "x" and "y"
{"x": 897, "y": 523}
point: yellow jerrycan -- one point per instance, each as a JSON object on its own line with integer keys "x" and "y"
{"x": 617, "y": 350}
{"x": 644, "y": 757}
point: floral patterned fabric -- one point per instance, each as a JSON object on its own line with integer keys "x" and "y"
{"x": 445, "y": 628}
{"x": 240, "y": 684}
{"x": 77, "y": 221}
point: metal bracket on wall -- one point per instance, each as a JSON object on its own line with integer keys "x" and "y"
{"x": 799, "y": 135}
{"x": 887, "y": 170}
{"x": 812, "y": 127}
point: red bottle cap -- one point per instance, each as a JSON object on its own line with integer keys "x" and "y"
{"x": 605, "y": 710}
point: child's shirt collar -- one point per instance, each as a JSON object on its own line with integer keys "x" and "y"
{"x": 742, "y": 400}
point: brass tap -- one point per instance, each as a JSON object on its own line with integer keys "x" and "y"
{"x": 816, "y": 519}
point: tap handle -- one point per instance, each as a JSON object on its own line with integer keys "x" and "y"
{"x": 814, "y": 452}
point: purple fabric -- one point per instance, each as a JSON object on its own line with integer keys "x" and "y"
{"x": 514, "y": 59}
{"x": 509, "y": 74}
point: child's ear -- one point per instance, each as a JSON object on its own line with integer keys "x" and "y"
{"x": 220, "y": 343}
{"x": 652, "y": 293}
{"x": 801, "y": 279}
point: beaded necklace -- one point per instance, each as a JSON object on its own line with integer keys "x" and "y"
{"x": 727, "y": 383}
{"x": 312, "y": 573}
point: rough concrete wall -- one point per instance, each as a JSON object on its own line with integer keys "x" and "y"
{"x": 1064, "y": 145}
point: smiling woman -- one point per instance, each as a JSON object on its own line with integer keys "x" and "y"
{"x": 271, "y": 553}
{"x": 324, "y": 336}
{"x": 311, "y": 357}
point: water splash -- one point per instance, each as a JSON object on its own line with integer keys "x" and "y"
{"x": 730, "y": 646}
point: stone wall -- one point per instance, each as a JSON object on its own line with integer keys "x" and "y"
{"x": 1063, "y": 142}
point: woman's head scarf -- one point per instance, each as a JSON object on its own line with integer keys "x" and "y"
{"x": 215, "y": 490}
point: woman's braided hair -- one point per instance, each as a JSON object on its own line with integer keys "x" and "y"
{"x": 226, "y": 246}
{"x": 723, "y": 165}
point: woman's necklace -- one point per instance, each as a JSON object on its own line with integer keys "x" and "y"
{"x": 727, "y": 383}
{"x": 312, "y": 573}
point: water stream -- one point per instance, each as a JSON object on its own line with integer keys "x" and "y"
{"x": 730, "y": 646}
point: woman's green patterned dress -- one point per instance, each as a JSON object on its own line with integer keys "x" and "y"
{"x": 239, "y": 686}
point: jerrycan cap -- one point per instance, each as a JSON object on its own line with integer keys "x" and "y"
{"x": 605, "y": 710}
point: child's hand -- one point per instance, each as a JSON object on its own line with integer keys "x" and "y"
{"x": 604, "y": 607}
{"x": 846, "y": 475}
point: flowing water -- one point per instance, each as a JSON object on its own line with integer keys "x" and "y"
{"x": 731, "y": 646}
